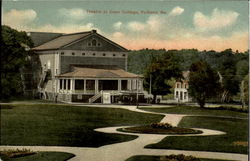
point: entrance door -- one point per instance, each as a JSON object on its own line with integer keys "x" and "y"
{"x": 106, "y": 98}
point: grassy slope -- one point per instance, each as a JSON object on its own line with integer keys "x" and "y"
{"x": 44, "y": 156}
{"x": 197, "y": 111}
{"x": 65, "y": 125}
{"x": 236, "y": 129}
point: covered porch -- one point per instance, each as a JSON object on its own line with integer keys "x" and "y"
{"x": 91, "y": 84}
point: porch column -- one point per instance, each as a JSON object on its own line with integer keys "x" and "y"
{"x": 73, "y": 85}
{"x": 84, "y": 86}
{"x": 129, "y": 84}
{"x": 119, "y": 85}
{"x": 66, "y": 85}
{"x": 63, "y": 85}
{"x": 96, "y": 86}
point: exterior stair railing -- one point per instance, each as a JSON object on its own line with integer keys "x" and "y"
{"x": 95, "y": 97}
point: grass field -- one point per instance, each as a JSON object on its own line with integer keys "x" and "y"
{"x": 42, "y": 156}
{"x": 64, "y": 125}
{"x": 235, "y": 141}
{"x": 191, "y": 110}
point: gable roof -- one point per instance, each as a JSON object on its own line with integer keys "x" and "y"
{"x": 68, "y": 39}
{"x": 40, "y": 38}
{"x": 61, "y": 41}
{"x": 104, "y": 72}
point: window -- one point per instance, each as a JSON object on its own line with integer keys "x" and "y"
{"x": 124, "y": 84}
{"x": 177, "y": 85}
{"x": 94, "y": 42}
{"x": 79, "y": 84}
{"x": 113, "y": 54}
{"x": 93, "y": 54}
{"x": 177, "y": 94}
{"x": 185, "y": 95}
{"x": 64, "y": 87}
{"x": 90, "y": 84}
{"x": 89, "y": 44}
{"x": 62, "y": 53}
{"x": 83, "y": 54}
{"x": 103, "y": 54}
{"x": 123, "y": 55}
{"x": 61, "y": 83}
{"x": 69, "y": 81}
{"x": 99, "y": 44}
{"x": 48, "y": 64}
{"x": 181, "y": 95}
{"x": 73, "y": 53}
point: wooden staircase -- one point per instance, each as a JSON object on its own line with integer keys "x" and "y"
{"x": 95, "y": 97}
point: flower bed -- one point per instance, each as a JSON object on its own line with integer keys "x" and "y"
{"x": 160, "y": 128}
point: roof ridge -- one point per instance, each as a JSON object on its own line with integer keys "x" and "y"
{"x": 75, "y": 33}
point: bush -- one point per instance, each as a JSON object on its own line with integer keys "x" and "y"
{"x": 161, "y": 125}
{"x": 179, "y": 157}
{"x": 15, "y": 153}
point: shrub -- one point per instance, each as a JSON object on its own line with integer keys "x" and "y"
{"x": 16, "y": 153}
{"x": 179, "y": 157}
{"x": 161, "y": 125}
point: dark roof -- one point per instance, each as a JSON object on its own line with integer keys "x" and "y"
{"x": 66, "y": 39}
{"x": 105, "y": 72}
{"x": 61, "y": 41}
{"x": 39, "y": 38}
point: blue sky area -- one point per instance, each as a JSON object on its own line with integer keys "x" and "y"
{"x": 205, "y": 25}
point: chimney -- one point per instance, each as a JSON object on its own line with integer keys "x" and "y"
{"x": 93, "y": 31}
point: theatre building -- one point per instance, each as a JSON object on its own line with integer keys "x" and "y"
{"x": 84, "y": 67}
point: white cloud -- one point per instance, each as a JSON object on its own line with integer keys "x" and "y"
{"x": 25, "y": 20}
{"x": 136, "y": 26}
{"x": 73, "y": 13}
{"x": 218, "y": 19}
{"x": 65, "y": 28}
{"x": 18, "y": 18}
{"x": 117, "y": 25}
{"x": 118, "y": 35}
{"x": 155, "y": 22}
{"x": 177, "y": 11}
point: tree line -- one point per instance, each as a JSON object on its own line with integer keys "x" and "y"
{"x": 229, "y": 67}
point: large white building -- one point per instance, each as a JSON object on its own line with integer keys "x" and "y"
{"x": 84, "y": 67}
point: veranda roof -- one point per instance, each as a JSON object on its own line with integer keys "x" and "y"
{"x": 91, "y": 72}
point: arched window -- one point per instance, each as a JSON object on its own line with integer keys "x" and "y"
{"x": 94, "y": 42}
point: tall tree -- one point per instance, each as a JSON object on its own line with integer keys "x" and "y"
{"x": 230, "y": 81}
{"x": 203, "y": 82}
{"x": 245, "y": 91}
{"x": 13, "y": 57}
{"x": 160, "y": 70}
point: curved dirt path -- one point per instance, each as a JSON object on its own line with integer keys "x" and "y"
{"x": 124, "y": 150}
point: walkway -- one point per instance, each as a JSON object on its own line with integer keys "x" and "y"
{"x": 124, "y": 150}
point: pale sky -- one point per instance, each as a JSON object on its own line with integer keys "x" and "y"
{"x": 155, "y": 24}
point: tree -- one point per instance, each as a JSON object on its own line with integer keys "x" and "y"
{"x": 245, "y": 91}
{"x": 203, "y": 82}
{"x": 160, "y": 70}
{"x": 230, "y": 81}
{"x": 13, "y": 57}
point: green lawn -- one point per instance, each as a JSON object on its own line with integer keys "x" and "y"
{"x": 191, "y": 110}
{"x": 236, "y": 129}
{"x": 65, "y": 125}
{"x": 159, "y": 158}
{"x": 43, "y": 156}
